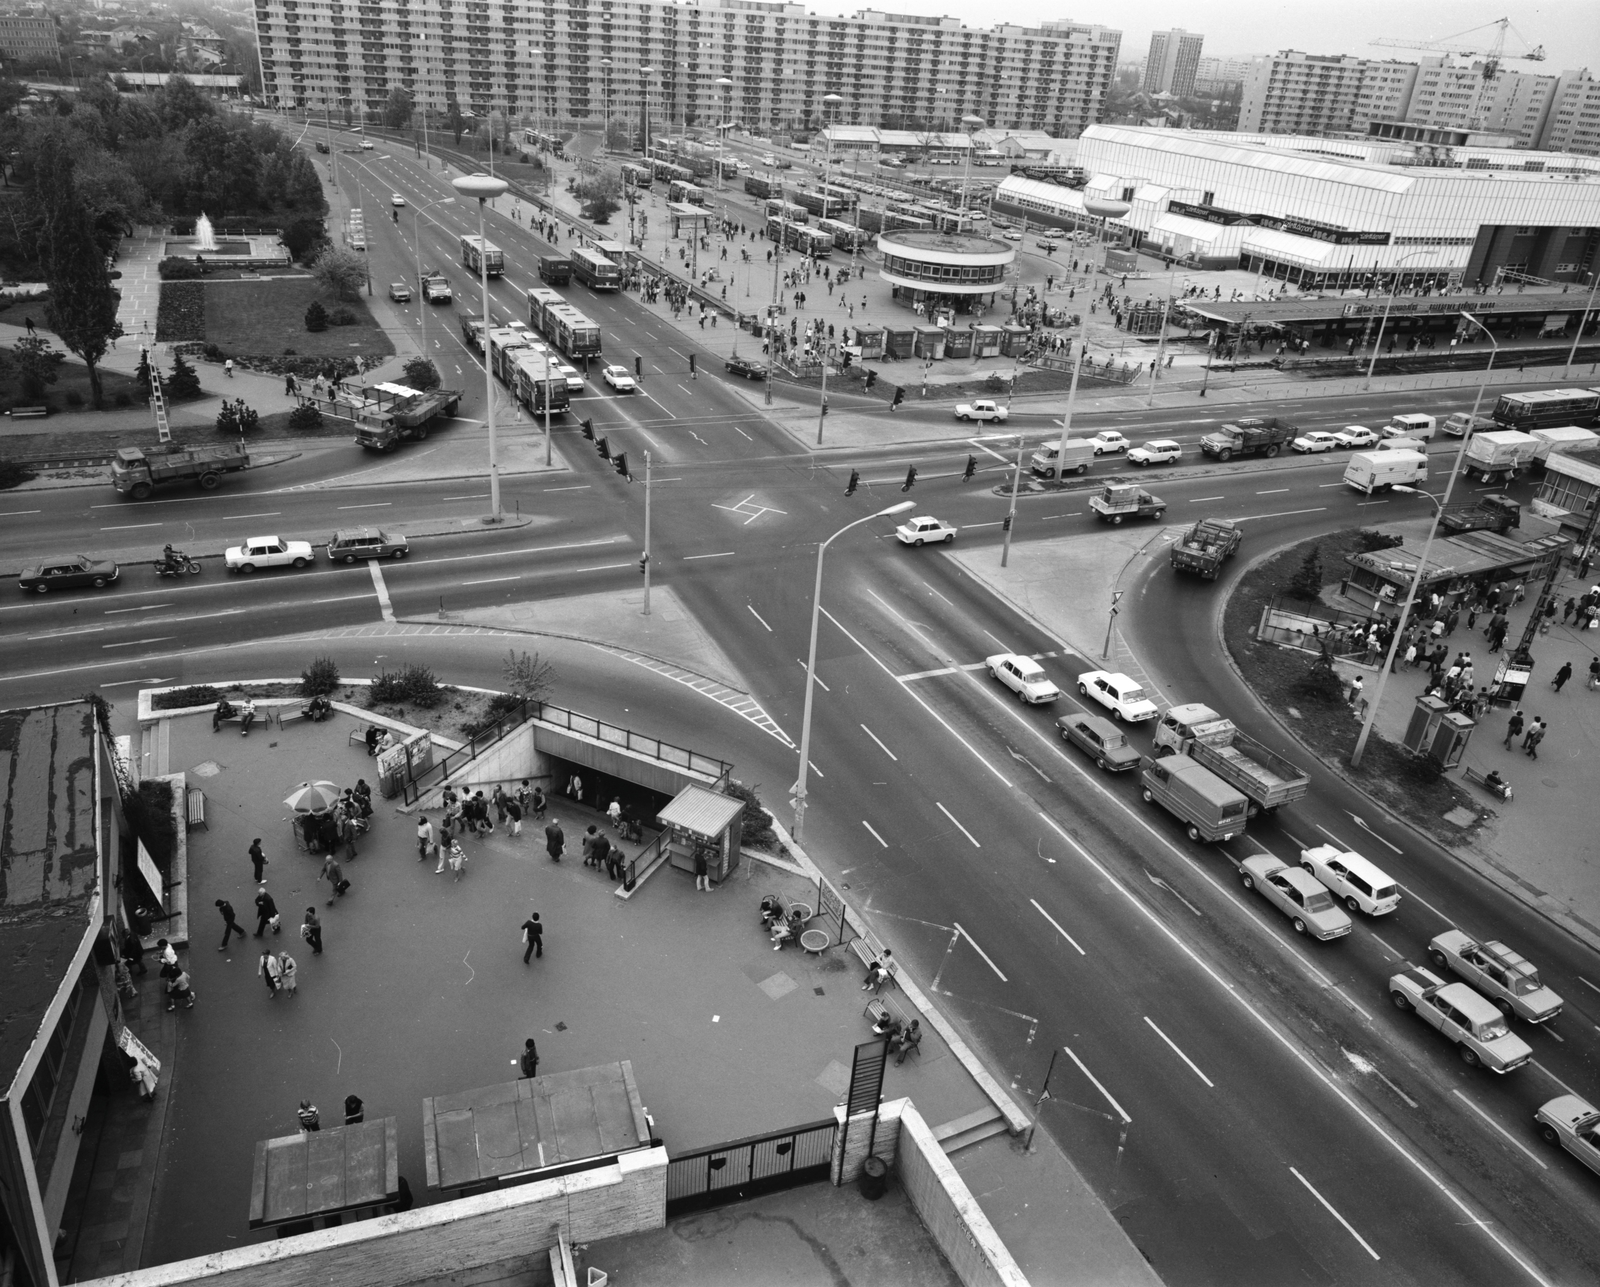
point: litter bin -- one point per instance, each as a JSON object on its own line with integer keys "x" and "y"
{"x": 874, "y": 1181}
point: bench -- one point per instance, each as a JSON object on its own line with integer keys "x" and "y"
{"x": 282, "y": 716}
{"x": 869, "y": 948}
{"x": 880, "y": 1008}
{"x": 792, "y": 908}
{"x": 1503, "y": 789}
{"x": 357, "y": 735}
{"x": 194, "y": 804}
{"x": 29, "y": 413}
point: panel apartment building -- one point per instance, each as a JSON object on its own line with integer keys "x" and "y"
{"x": 564, "y": 62}
{"x": 1174, "y": 59}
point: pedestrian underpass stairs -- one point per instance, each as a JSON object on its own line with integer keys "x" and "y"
{"x": 978, "y": 1125}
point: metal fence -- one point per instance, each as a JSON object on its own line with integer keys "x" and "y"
{"x": 443, "y": 767}
{"x": 748, "y": 1167}
{"x": 831, "y": 912}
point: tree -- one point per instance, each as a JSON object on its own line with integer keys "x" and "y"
{"x": 397, "y": 111}
{"x": 146, "y": 373}
{"x": 420, "y": 373}
{"x": 527, "y": 676}
{"x": 342, "y": 273}
{"x": 1306, "y": 583}
{"x": 183, "y": 385}
{"x": 36, "y": 364}
{"x": 302, "y": 237}
{"x": 316, "y": 317}
{"x": 619, "y": 138}
{"x": 455, "y": 122}
{"x": 599, "y": 196}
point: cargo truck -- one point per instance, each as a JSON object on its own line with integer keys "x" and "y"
{"x": 1250, "y": 437}
{"x": 1377, "y": 471}
{"x": 482, "y": 256}
{"x": 137, "y": 471}
{"x": 385, "y": 414}
{"x": 1267, "y": 780}
{"x": 434, "y": 286}
{"x": 1487, "y": 514}
{"x": 1119, "y": 500}
{"x": 472, "y": 330}
{"x": 1189, "y": 791}
{"x": 1048, "y": 462}
{"x": 555, "y": 269}
{"x": 1205, "y": 546}
{"x": 1498, "y": 455}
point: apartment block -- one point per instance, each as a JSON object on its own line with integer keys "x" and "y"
{"x": 1216, "y": 75}
{"x": 29, "y": 36}
{"x": 561, "y": 63}
{"x": 1512, "y": 102}
{"x": 1386, "y": 93}
{"x": 1296, "y": 93}
{"x": 1573, "y": 124}
{"x": 1174, "y": 59}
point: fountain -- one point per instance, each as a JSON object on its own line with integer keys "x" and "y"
{"x": 204, "y": 237}
{"x": 246, "y": 249}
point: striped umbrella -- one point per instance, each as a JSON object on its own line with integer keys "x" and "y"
{"x": 313, "y": 797}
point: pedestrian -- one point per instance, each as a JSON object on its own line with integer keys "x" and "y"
{"x": 907, "y": 1041}
{"x": 258, "y": 859}
{"x": 28, "y": 322}
{"x": 1411, "y": 656}
{"x": 528, "y": 1064}
{"x": 1354, "y": 695}
{"x": 555, "y": 840}
{"x": 133, "y": 953}
{"x": 269, "y": 969}
{"x": 230, "y": 927}
{"x": 354, "y": 1110}
{"x": 1535, "y": 736}
{"x": 702, "y": 873}
{"x": 1594, "y": 677}
{"x": 228, "y": 367}
{"x": 575, "y": 788}
{"x": 1568, "y": 608}
{"x": 532, "y": 937}
{"x": 311, "y": 931}
{"x": 347, "y": 833}
{"x": 310, "y": 1118}
{"x": 878, "y": 971}
{"x": 168, "y": 953}
{"x": 499, "y": 799}
{"x": 524, "y": 795}
{"x": 334, "y": 875}
{"x": 178, "y": 988}
{"x": 514, "y": 813}
{"x": 267, "y": 913}
{"x": 587, "y": 844}
{"x": 1562, "y": 675}
{"x": 458, "y": 859}
{"x": 1532, "y": 728}
{"x": 614, "y": 812}
{"x": 427, "y": 842}
{"x": 288, "y": 974}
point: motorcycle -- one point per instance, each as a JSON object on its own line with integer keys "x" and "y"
{"x": 177, "y": 565}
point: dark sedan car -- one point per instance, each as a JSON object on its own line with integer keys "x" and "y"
{"x": 745, "y": 367}
{"x": 69, "y": 574}
{"x": 1102, "y": 739}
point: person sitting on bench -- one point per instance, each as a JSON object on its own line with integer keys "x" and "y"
{"x": 886, "y": 1025}
{"x": 1494, "y": 781}
{"x": 247, "y": 716}
{"x": 905, "y": 1041}
{"x": 224, "y": 711}
{"x": 786, "y": 930}
{"x": 373, "y": 734}
{"x": 877, "y": 972}
{"x": 771, "y": 910}
{"x": 318, "y": 709}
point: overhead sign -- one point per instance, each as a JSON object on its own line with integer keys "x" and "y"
{"x": 1281, "y": 223}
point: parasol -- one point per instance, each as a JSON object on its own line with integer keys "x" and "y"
{"x": 313, "y": 797}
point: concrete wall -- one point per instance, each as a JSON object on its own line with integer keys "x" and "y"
{"x": 850, "y": 1141}
{"x": 491, "y": 1237}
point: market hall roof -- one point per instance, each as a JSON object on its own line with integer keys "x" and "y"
{"x": 1292, "y": 312}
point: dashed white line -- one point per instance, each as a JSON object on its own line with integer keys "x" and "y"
{"x": 1059, "y": 930}
{"x": 484, "y": 495}
{"x": 725, "y": 554}
{"x": 949, "y": 815}
{"x": 1509, "y": 1137}
{"x": 369, "y": 505}
{"x": 271, "y": 513}
{"x": 759, "y": 618}
{"x": 63, "y": 634}
{"x": 1586, "y": 983}
{"x": 490, "y": 580}
{"x": 896, "y": 759}
{"x": 1126, "y": 1120}
{"x": 130, "y": 527}
{"x": 818, "y": 678}
{"x": 134, "y": 643}
{"x": 112, "y": 612}
{"x": 1174, "y": 1045}
{"x": 581, "y": 487}
{"x": 1200, "y": 499}
{"x": 980, "y": 951}
{"x": 1288, "y": 513}
{"x": 1273, "y": 491}
{"x": 1348, "y": 1227}
{"x": 874, "y": 834}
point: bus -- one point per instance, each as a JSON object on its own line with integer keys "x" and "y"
{"x": 534, "y": 141}
{"x": 756, "y": 186}
{"x": 820, "y": 204}
{"x": 778, "y": 208}
{"x": 480, "y": 256}
{"x": 683, "y": 190}
{"x": 540, "y": 300}
{"x": 893, "y": 219}
{"x": 808, "y": 241}
{"x": 660, "y": 151}
{"x": 636, "y": 176}
{"x": 571, "y": 332}
{"x": 594, "y": 270}
{"x": 845, "y": 236}
{"x": 668, "y": 172}
{"x": 615, "y": 251}
{"x": 727, "y": 167}
{"x": 1547, "y": 409}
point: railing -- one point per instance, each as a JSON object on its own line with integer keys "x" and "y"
{"x": 443, "y": 767}
{"x": 646, "y": 856}
{"x": 831, "y": 911}
{"x": 747, "y": 1167}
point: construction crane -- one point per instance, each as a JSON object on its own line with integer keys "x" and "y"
{"x": 1492, "y": 56}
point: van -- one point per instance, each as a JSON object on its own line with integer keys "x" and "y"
{"x": 1377, "y": 471}
{"x": 1411, "y": 426}
{"x": 1194, "y": 794}
{"x": 1362, "y": 885}
{"x": 1079, "y": 456}
{"x": 1464, "y": 422}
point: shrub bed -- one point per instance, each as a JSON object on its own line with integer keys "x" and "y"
{"x": 179, "y": 698}
{"x": 181, "y": 314}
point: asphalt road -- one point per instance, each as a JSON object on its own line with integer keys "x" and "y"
{"x": 1249, "y": 1104}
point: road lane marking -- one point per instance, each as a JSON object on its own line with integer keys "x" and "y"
{"x": 1174, "y": 1045}
{"x": 1126, "y": 1120}
{"x": 1059, "y": 930}
{"x": 581, "y": 487}
{"x": 1399, "y": 956}
{"x": 996, "y": 523}
{"x": 134, "y": 643}
{"x": 946, "y": 813}
{"x": 485, "y": 495}
{"x": 1586, "y": 983}
{"x": 369, "y": 505}
{"x": 384, "y": 606}
{"x": 1509, "y": 1137}
{"x": 875, "y": 835}
{"x": 1367, "y": 1246}
{"x": 1201, "y": 499}
{"x": 490, "y": 580}
{"x": 1288, "y": 513}
{"x": 743, "y": 434}
{"x": 63, "y": 634}
{"x": 602, "y": 567}
{"x": 759, "y": 618}
{"x": 1363, "y": 1064}
{"x": 1273, "y": 491}
{"x": 273, "y": 513}
{"x": 1554, "y": 1078}
{"x": 130, "y": 527}
{"x": 907, "y": 622}
{"x": 526, "y": 549}
{"x": 1360, "y": 504}
{"x": 725, "y": 554}
{"x": 980, "y": 951}
{"x": 338, "y": 598}
{"x": 818, "y": 678}
{"x": 111, "y": 612}
{"x": 17, "y": 513}
{"x": 892, "y": 756}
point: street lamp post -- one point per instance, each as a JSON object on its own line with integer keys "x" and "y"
{"x": 646, "y": 560}
{"x": 1011, "y": 516}
{"x": 1422, "y": 563}
{"x": 973, "y": 124}
{"x": 605, "y": 92}
{"x": 1394, "y": 287}
{"x": 811, "y": 660}
{"x": 484, "y": 187}
{"x": 416, "y": 241}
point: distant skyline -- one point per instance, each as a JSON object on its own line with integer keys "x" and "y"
{"x": 1569, "y": 30}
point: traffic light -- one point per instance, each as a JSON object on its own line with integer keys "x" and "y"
{"x": 899, "y": 397}
{"x": 824, "y": 406}
{"x": 602, "y": 448}
{"x": 972, "y": 468}
{"x": 1006, "y": 525}
{"x": 588, "y": 430}
{"x": 855, "y": 481}
{"x": 644, "y": 562}
{"x": 911, "y": 478}
{"x": 872, "y": 379}
{"x": 844, "y": 360}
{"x": 692, "y": 374}
{"x": 620, "y": 460}
{"x": 638, "y": 367}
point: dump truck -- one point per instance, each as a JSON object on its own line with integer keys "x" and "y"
{"x": 137, "y": 471}
{"x": 1120, "y": 499}
{"x": 434, "y": 287}
{"x": 1499, "y": 454}
{"x": 1486, "y": 514}
{"x": 1265, "y": 778}
{"x": 1249, "y": 437}
{"x": 1205, "y": 546}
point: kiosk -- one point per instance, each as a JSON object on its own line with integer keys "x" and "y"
{"x": 701, "y": 821}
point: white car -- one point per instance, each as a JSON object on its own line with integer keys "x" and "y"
{"x": 1481, "y": 1032}
{"x": 1023, "y": 676}
{"x": 1362, "y": 885}
{"x": 1011, "y": 234}
{"x": 366, "y": 145}
{"x": 1159, "y": 451}
{"x": 1506, "y": 977}
{"x": 268, "y": 552}
{"x": 1315, "y": 441}
{"x": 919, "y": 531}
{"x": 397, "y": 201}
{"x": 1118, "y": 694}
{"x": 1355, "y": 436}
{"x": 619, "y": 378}
{"x": 1295, "y": 893}
{"x": 984, "y": 410}
{"x": 769, "y": 159}
{"x": 1109, "y": 440}
{"x": 1054, "y": 232}
{"x": 1574, "y": 1124}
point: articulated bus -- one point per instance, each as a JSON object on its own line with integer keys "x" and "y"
{"x": 757, "y": 186}
{"x": 778, "y": 208}
{"x": 846, "y": 237}
{"x": 541, "y": 299}
{"x": 571, "y": 332}
{"x": 636, "y": 176}
{"x": 594, "y": 270}
{"x": 808, "y": 241}
{"x": 1547, "y": 409}
{"x": 668, "y": 172}
{"x": 534, "y": 141}
{"x": 682, "y": 190}
{"x": 821, "y": 204}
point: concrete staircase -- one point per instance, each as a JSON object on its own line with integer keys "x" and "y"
{"x": 975, "y": 1126}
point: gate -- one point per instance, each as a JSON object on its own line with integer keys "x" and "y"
{"x": 749, "y": 1167}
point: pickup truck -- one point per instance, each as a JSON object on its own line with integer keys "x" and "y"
{"x": 1119, "y": 500}
{"x": 1468, "y": 1019}
{"x": 1267, "y": 780}
{"x": 982, "y": 410}
{"x": 1487, "y": 514}
{"x": 1249, "y": 437}
{"x": 1205, "y": 547}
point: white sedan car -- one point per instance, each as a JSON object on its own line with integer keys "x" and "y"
{"x": 619, "y": 378}
{"x": 1023, "y": 676}
{"x": 1161, "y": 451}
{"x": 1011, "y": 234}
{"x": 1356, "y": 436}
{"x": 919, "y": 531}
{"x": 1118, "y": 694}
{"x": 1315, "y": 441}
{"x": 1574, "y": 1124}
{"x": 1297, "y": 894}
{"x": 397, "y": 201}
{"x": 268, "y": 552}
{"x": 1109, "y": 440}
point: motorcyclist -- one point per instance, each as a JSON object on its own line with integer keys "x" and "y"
{"x": 169, "y": 560}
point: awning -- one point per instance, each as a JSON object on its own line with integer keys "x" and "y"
{"x": 705, "y": 813}
{"x": 1183, "y": 226}
{"x": 1308, "y": 252}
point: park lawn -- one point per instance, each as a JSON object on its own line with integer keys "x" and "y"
{"x": 263, "y": 318}
{"x": 72, "y": 377}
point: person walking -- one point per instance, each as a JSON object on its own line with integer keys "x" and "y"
{"x": 539, "y": 804}
{"x": 347, "y": 833}
{"x": 1562, "y": 675}
{"x": 427, "y": 841}
{"x": 614, "y": 812}
{"x": 528, "y": 1064}
{"x": 311, "y": 931}
{"x": 178, "y": 988}
{"x": 258, "y": 859}
{"x": 267, "y": 913}
{"x": 334, "y": 875}
{"x": 230, "y": 925}
{"x": 514, "y": 814}
{"x": 532, "y": 937}
{"x": 458, "y": 859}
{"x": 1594, "y": 672}
{"x": 555, "y": 840}
{"x": 1530, "y": 743}
{"x": 355, "y": 1111}
{"x": 702, "y": 876}
{"x": 288, "y": 974}
{"x": 310, "y": 1118}
{"x": 133, "y": 953}
{"x": 269, "y": 969}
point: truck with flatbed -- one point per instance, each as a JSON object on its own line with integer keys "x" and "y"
{"x": 1206, "y": 546}
{"x": 1498, "y": 455}
{"x": 385, "y": 414}
{"x": 1253, "y": 436}
{"x": 434, "y": 287}
{"x": 1264, "y": 777}
{"x": 137, "y": 471}
{"x": 1119, "y": 499}
{"x": 1486, "y": 514}
{"x": 472, "y": 329}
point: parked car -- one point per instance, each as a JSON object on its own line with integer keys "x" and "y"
{"x": 1097, "y": 736}
{"x": 351, "y": 543}
{"x": 399, "y": 292}
{"x": 1574, "y": 1124}
{"x": 1023, "y": 676}
{"x": 1158, "y": 451}
{"x": 268, "y": 552}
{"x": 1297, "y": 894}
{"x": 70, "y": 573}
{"x": 1362, "y": 885}
{"x": 1315, "y": 441}
{"x": 1483, "y": 1034}
{"x": 1355, "y": 436}
{"x": 1507, "y": 978}
{"x": 397, "y": 201}
{"x": 619, "y": 378}
{"x": 745, "y": 367}
{"x": 1109, "y": 441}
{"x": 1118, "y": 694}
{"x": 985, "y": 410}
{"x": 918, "y": 531}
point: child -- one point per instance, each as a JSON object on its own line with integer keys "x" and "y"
{"x": 458, "y": 858}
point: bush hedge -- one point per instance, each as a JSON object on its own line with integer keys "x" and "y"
{"x": 414, "y": 684}
{"x": 179, "y": 698}
{"x": 181, "y": 314}
{"x": 175, "y": 269}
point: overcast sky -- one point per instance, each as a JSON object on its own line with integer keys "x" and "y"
{"x": 1569, "y": 30}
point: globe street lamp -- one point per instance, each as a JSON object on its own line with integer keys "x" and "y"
{"x": 416, "y": 241}
{"x": 484, "y": 188}
{"x": 973, "y": 124}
